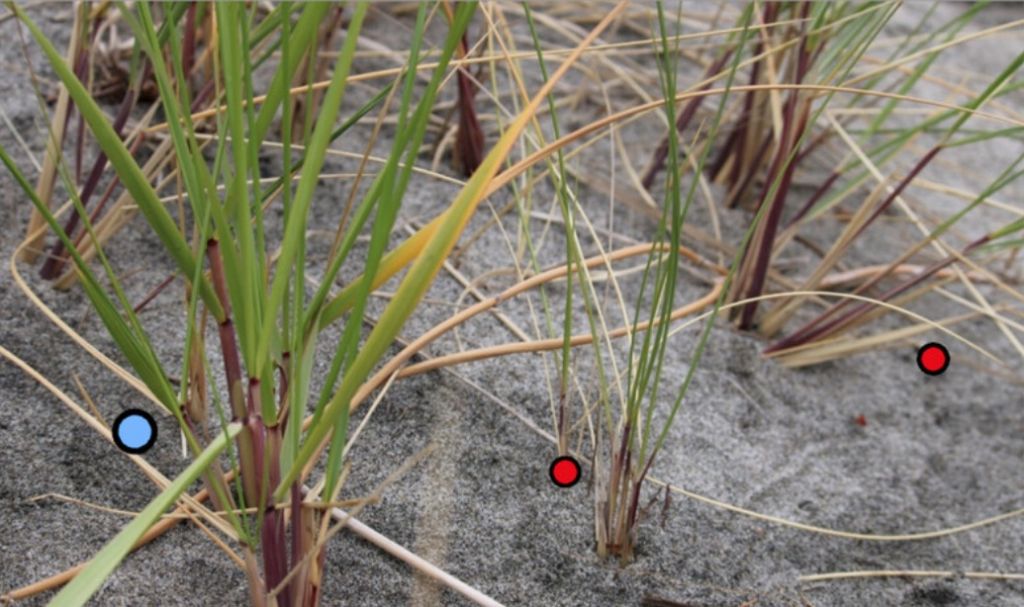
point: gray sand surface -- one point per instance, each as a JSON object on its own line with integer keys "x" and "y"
{"x": 935, "y": 453}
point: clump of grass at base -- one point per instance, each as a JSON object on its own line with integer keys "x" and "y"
{"x": 808, "y": 60}
{"x": 267, "y": 328}
{"x": 632, "y": 442}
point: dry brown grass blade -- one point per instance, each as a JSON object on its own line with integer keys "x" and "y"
{"x": 933, "y": 49}
{"x": 841, "y": 347}
{"x": 396, "y": 362}
{"x": 910, "y": 573}
{"x": 36, "y": 232}
{"x": 775, "y": 317}
{"x": 849, "y": 277}
{"x": 543, "y": 345}
{"x": 820, "y": 89}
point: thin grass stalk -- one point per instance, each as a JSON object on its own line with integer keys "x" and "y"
{"x": 629, "y": 463}
{"x": 468, "y": 149}
{"x": 107, "y": 224}
{"x": 657, "y": 162}
{"x": 649, "y": 448}
{"x": 746, "y": 143}
{"x": 233, "y": 377}
{"x": 574, "y": 260}
{"x": 274, "y": 537}
{"x": 757, "y": 256}
{"x": 792, "y": 134}
{"x": 188, "y": 46}
{"x": 82, "y": 69}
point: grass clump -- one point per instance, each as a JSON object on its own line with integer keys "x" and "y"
{"x": 267, "y": 328}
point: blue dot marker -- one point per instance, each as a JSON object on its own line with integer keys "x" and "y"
{"x": 134, "y": 431}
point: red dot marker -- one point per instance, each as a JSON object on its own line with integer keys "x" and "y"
{"x": 933, "y": 358}
{"x": 565, "y": 471}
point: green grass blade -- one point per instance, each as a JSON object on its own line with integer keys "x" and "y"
{"x": 238, "y": 203}
{"x": 301, "y": 37}
{"x": 395, "y": 181}
{"x": 80, "y": 589}
{"x": 137, "y": 353}
{"x": 295, "y": 230}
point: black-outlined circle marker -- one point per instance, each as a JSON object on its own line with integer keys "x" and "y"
{"x": 565, "y": 471}
{"x": 134, "y": 431}
{"x": 933, "y": 358}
